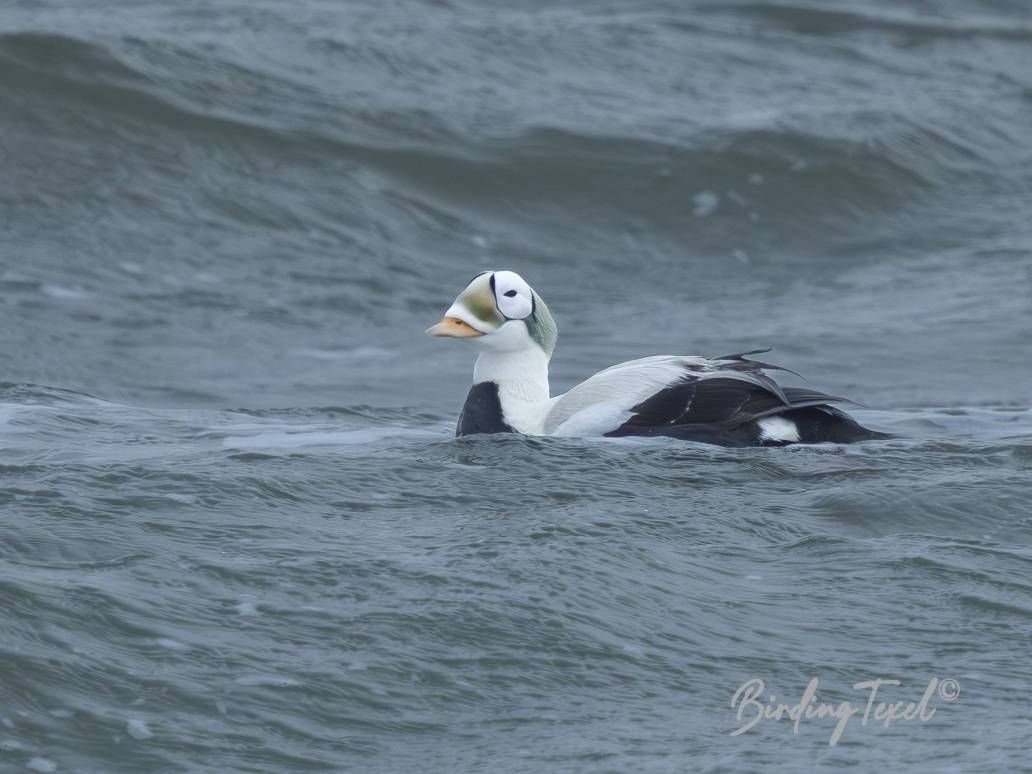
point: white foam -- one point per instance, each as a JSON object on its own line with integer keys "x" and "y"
{"x": 274, "y": 680}
{"x": 705, "y": 203}
{"x": 247, "y": 608}
{"x": 292, "y": 439}
{"x": 357, "y": 353}
{"x": 62, "y": 293}
{"x": 171, "y": 644}
{"x": 138, "y": 729}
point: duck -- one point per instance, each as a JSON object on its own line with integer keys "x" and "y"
{"x": 728, "y": 401}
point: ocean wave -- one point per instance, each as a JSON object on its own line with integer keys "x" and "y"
{"x": 91, "y": 73}
{"x": 910, "y": 28}
{"x": 775, "y": 167}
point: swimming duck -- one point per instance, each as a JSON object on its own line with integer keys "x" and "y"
{"x": 727, "y": 400}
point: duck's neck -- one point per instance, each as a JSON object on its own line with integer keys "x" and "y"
{"x": 522, "y": 379}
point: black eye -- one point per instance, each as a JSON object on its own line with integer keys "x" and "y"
{"x": 509, "y": 293}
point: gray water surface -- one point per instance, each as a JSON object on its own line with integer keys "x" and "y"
{"x": 237, "y": 534}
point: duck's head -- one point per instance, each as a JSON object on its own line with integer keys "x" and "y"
{"x": 499, "y": 311}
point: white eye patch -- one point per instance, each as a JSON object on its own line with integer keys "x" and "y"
{"x": 512, "y": 295}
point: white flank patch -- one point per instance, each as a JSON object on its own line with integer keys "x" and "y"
{"x": 778, "y": 429}
{"x": 594, "y": 420}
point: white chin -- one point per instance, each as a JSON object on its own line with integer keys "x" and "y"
{"x": 511, "y": 337}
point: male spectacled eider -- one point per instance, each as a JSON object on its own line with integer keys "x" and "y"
{"x": 727, "y": 400}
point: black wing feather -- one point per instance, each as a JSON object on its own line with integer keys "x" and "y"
{"x": 800, "y": 396}
{"x": 740, "y": 362}
{"x": 717, "y": 404}
{"x": 726, "y": 401}
{"x": 723, "y": 403}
